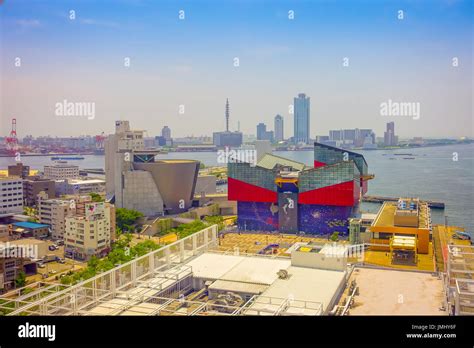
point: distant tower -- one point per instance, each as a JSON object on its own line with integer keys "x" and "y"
{"x": 301, "y": 119}
{"x": 238, "y": 126}
{"x": 227, "y": 115}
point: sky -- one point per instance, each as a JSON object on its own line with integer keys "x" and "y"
{"x": 349, "y": 57}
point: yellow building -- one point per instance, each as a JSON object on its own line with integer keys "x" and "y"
{"x": 409, "y": 217}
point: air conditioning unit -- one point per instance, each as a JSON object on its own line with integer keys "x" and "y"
{"x": 283, "y": 274}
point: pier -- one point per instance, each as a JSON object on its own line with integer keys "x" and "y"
{"x": 381, "y": 199}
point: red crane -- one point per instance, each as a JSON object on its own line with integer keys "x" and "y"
{"x": 12, "y": 140}
{"x": 99, "y": 141}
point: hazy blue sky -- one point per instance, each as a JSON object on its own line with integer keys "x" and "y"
{"x": 190, "y": 62}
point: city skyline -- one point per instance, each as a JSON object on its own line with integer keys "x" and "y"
{"x": 349, "y": 58}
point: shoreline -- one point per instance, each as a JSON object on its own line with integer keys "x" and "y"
{"x": 273, "y": 150}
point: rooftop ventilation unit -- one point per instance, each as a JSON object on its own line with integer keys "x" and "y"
{"x": 282, "y": 274}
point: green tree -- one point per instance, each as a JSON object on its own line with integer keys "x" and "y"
{"x": 335, "y": 236}
{"x": 20, "y": 280}
{"x": 96, "y": 197}
{"x": 126, "y": 218}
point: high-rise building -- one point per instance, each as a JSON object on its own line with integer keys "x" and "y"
{"x": 261, "y": 130}
{"x": 279, "y": 133}
{"x": 227, "y": 138}
{"x": 166, "y": 133}
{"x": 301, "y": 109}
{"x": 263, "y": 134}
{"x": 11, "y": 195}
{"x": 390, "y": 139}
{"x": 135, "y": 180}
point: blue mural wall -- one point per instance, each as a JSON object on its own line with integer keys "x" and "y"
{"x": 324, "y": 219}
{"x": 312, "y": 219}
{"x": 257, "y": 216}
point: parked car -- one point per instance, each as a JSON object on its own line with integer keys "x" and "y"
{"x": 50, "y": 258}
{"x": 40, "y": 265}
{"x": 62, "y": 261}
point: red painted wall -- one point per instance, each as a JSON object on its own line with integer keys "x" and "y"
{"x": 340, "y": 194}
{"x": 244, "y": 192}
{"x": 318, "y": 164}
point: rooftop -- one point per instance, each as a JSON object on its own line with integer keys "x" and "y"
{"x": 269, "y": 161}
{"x": 9, "y": 178}
{"x": 386, "y": 215}
{"x": 31, "y": 225}
{"x": 387, "y": 292}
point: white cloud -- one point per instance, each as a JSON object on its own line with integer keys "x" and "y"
{"x": 28, "y": 23}
{"x": 90, "y": 21}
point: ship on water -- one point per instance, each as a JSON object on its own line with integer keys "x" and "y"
{"x": 67, "y": 158}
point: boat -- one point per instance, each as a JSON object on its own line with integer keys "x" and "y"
{"x": 67, "y": 158}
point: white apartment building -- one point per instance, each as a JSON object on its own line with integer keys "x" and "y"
{"x": 54, "y": 212}
{"x": 90, "y": 231}
{"x": 61, "y": 171}
{"x": 11, "y": 195}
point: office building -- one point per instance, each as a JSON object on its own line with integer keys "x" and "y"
{"x": 135, "y": 180}
{"x": 33, "y": 185}
{"x": 61, "y": 171}
{"x": 263, "y": 134}
{"x": 352, "y": 137}
{"x": 88, "y": 233}
{"x": 230, "y": 139}
{"x": 301, "y": 109}
{"x": 390, "y": 139}
{"x": 166, "y": 133}
{"x": 160, "y": 141}
{"x": 11, "y": 195}
{"x": 19, "y": 169}
{"x": 279, "y": 128}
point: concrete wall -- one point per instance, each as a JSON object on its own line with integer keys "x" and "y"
{"x": 140, "y": 193}
{"x": 318, "y": 260}
{"x": 206, "y": 184}
{"x": 175, "y": 180}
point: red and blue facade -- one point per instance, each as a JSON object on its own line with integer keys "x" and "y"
{"x": 316, "y": 200}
